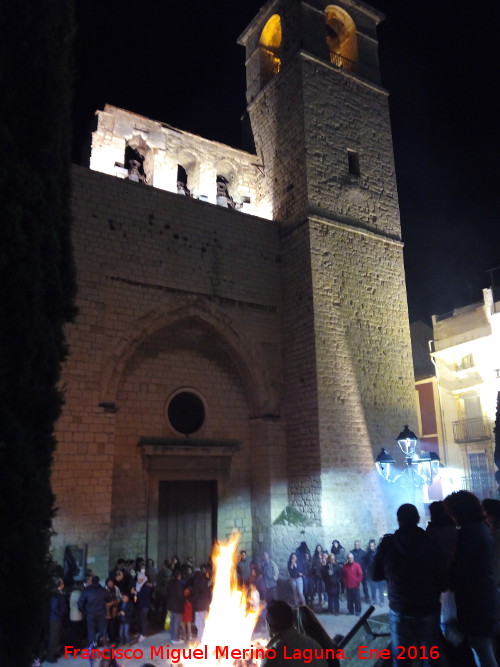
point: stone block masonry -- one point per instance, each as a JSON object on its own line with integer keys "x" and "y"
{"x": 173, "y": 293}
{"x": 290, "y": 329}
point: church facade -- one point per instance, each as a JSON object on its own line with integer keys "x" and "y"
{"x": 242, "y": 348}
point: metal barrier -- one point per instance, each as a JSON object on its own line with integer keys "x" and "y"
{"x": 362, "y": 644}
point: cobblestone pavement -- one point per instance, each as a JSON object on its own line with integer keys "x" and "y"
{"x": 334, "y": 625}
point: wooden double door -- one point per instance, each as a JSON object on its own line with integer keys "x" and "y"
{"x": 187, "y": 519}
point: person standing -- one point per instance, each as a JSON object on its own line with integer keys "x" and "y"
{"x": 175, "y": 605}
{"x": 491, "y": 510}
{"x": 332, "y": 574}
{"x": 270, "y": 573}
{"x": 126, "y": 615}
{"x": 57, "y": 614}
{"x": 296, "y": 580}
{"x": 161, "y": 592}
{"x": 112, "y": 604}
{"x": 359, "y": 556}
{"x": 341, "y": 557}
{"x": 414, "y": 567}
{"x": 317, "y": 571}
{"x": 352, "y": 576}
{"x": 76, "y": 616}
{"x": 144, "y": 590}
{"x": 471, "y": 576}
{"x": 243, "y": 571}
{"x": 202, "y": 597}
{"x": 92, "y": 603}
{"x": 376, "y": 587}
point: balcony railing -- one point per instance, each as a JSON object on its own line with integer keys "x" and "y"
{"x": 481, "y": 484}
{"x": 341, "y": 61}
{"x": 270, "y": 60}
{"x": 471, "y": 430}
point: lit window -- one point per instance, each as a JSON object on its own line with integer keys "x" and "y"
{"x": 341, "y": 38}
{"x": 270, "y": 47}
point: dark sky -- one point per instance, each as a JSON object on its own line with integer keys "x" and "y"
{"x": 179, "y": 62}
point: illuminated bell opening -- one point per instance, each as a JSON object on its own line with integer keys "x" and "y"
{"x": 383, "y": 463}
{"x": 407, "y": 440}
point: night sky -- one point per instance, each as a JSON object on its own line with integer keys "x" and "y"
{"x": 440, "y": 60}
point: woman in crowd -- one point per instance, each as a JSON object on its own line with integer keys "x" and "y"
{"x": 296, "y": 580}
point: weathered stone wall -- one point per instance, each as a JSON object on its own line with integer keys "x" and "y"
{"x": 172, "y": 293}
{"x": 348, "y": 371}
{"x": 363, "y": 352}
{"x": 293, "y": 332}
{"x": 165, "y": 148}
{"x": 360, "y": 122}
{"x": 301, "y": 395}
{"x": 277, "y": 121}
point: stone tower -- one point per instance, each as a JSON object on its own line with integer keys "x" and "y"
{"x": 322, "y": 130}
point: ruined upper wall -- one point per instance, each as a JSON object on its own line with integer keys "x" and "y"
{"x": 162, "y": 149}
{"x": 464, "y": 324}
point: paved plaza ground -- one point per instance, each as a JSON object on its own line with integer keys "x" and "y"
{"x": 334, "y": 625}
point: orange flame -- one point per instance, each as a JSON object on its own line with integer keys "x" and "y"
{"x": 228, "y": 619}
{"x": 229, "y": 622}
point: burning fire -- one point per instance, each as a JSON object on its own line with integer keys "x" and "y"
{"x": 229, "y": 622}
{"x": 228, "y": 619}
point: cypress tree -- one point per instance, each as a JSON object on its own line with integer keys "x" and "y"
{"x": 37, "y": 287}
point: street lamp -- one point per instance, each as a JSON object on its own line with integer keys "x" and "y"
{"x": 420, "y": 469}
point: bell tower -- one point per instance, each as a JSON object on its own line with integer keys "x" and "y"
{"x": 321, "y": 125}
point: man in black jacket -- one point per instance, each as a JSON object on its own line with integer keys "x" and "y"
{"x": 414, "y": 568}
{"x": 332, "y": 576}
{"x": 92, "y": 603}
{"x": 175, "y": 605}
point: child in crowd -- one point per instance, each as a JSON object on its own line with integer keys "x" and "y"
{"x": 253, "y": 598}
{"x": 126, "y": 615}
{"x": 187, "y": 615}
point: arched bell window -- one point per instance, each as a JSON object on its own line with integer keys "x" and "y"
{"x": 341, "y": 38}
{"x": 139, "y": 161}
{"x": 270, "y": 49}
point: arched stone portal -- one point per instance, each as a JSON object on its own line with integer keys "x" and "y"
{"x": 193, "y": 350}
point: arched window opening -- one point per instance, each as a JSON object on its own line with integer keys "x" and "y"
{"x": 139, "y": 160}
{"x": 188, "y": 173}
{"x": 341, "y": 38}
{"x": 182, "y": 181}
{"x": 270, "y": 49}
{"x": 223, "y": 198}
{"x": 134, "y": 164}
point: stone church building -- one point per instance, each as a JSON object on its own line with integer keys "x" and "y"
{"x": 242, "y": 348}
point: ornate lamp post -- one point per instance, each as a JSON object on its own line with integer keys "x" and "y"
{"x": 420, "y": 469}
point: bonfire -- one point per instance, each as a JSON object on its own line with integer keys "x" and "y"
{"x": 227, "y": 638}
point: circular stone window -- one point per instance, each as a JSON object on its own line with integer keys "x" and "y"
{"x": 186, "y": 412}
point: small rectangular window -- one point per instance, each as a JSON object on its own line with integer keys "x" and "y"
{"x": 353, "y": 161}
{"x": 464, "y": 363}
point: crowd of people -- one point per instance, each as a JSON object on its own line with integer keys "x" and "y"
{"x": 177, "y": 597}
{"x": 441, "y": 581}
{"x": 323, "y": 578}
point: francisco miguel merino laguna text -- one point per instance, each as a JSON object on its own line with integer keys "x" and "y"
{"x": 177, "y": 655}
